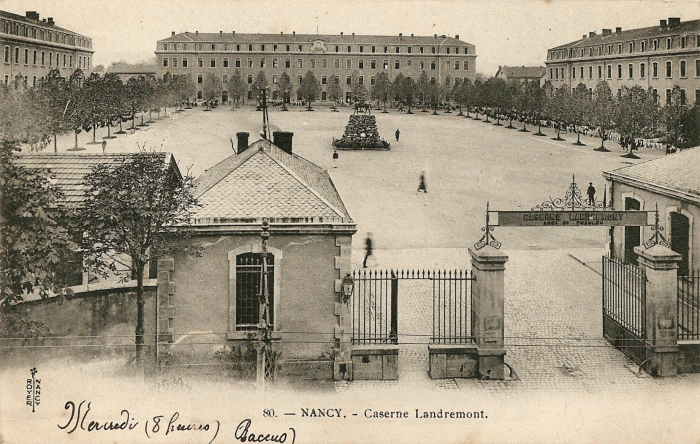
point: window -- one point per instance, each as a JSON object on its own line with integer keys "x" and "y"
{"x": 682, "y": 69}
{"x": 697, "y": 68}
{"x": 361, "y": 80}
{"x": 200, "y": 62}
{"x": 212, "y": 62}
{"x": 682, "y": 97}
{"x": 432, "y": 64}
{"x": 224, "y": 78}
{"x": 668, "y": 70}
{"x": 33, "y": 80}
{"x": 199, "y": 78}
{"x": 385, "y": 64}
{"x": 51, "y": 59}
{"x": 288, "y": 48}
{"x": 668, "y": 96}
{"x": 287, "y": 63}
{"x": 213, "y": 47}
{"x": 421, "y": 65}
{"x": 313, "y": 63}
{"x": 697, "y": 96}
{"x": 336, "y": 63}
{"x": 349, "y": 48}
{"x": 556, "y": 73}
{"x": 643, "y": 46}
{"x": 669, "y": 43}
{"x": 64, "y": 60}
{"x": 174, "y": 62}
{"x": 590, "y": 72}
{"x": 551, "y": 74}
{"x": 372, "y": 81}
{"x": 609, "y": 71}
{"x": 610, "y": 49}
{"x": 619, "y": 48}
{"x": 26, "y": 57}
{"x": 247, "y": 284}
{"x": 656, "y": 45}
{"x": 7, "y": 54}
{"x": 631, "y": 47}
{"x": 361, "y": 64}
{"x": 34, "y": 60}
{"x": 432, "y": 50}
{"x": 397, "y": 64}
{"x": 324, "y": 63}
{"x": 642, "y": 70}
{"x": 420, "y": 50}
{"x": 250, "y": 62}
{"x": 7, "y": 79}
{"x": 262, "y": 62}
{"x": 348, "y": 80}
{"x": 250, "y": 47}
{"x": 573, "y": 72}
{"x": 409, "y": 49}
{"x": 655, "y": 70}
{"x": 300, "y": 63}
{"x": 43, "y": 55}
{"x": 655, "y": 94}
{"x": 466, "y": 65}
{"x": 448, "y": 49}
{"x": 630, "y": 70}
{"x": 275, "y": 63}
{"x": 300, "y": 78}
{"x": 386, "y": 49}
{"x": 274, "y": 47}
{"x": 262, "y": 47}
{"x": 456, "y": 65}
{"x": 274, "y": 79}
{"x": 447, "y": 81}
{"x": 448, "y": 65}
{"x": 397, "y": 50}
{"x": 374, "y": 49}
{"x": 225, "y": 62}
{"x": 250, "y": 79}
{"x": 337, "y": 48}
{"x": 348, "y": 63}
{"x": 362, "y": 48}
{"x": 324, "y": 80}
{"x": 237, "y": 63}
{"x": 684, "y": 41}
{"x": 373, "y": 64}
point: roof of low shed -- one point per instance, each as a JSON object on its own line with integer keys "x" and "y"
{"x": 266, "y": 182}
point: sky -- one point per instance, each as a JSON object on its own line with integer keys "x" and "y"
{"x": 505, "y": 32}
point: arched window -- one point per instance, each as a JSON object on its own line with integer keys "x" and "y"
{"x": 632, "y": 234}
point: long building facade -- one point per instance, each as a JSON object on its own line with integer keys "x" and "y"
{"x": 32, "y": 47}
{"x": 198, "y": 54}
{"x": 656, "y": 57}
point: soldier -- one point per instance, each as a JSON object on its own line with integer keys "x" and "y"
{"x": 397, "y": 134}
{"x": 591, "y": 193}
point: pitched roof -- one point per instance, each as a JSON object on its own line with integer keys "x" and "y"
{"x": 520, "y": 72}
{"x": 333, "y": 39}
{"x": 265, "y": 181}
{"x": 634, "y": 34}
{"x": 128, "y": 68}
{"x": 675, "y": 174}
{"x": 68, "y": 170}
{"x": 43, "y": 24}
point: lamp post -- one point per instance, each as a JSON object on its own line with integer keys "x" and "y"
{"x": 264, "y": 327}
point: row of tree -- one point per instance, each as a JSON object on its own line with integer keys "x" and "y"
{"x": 58, "y": 105}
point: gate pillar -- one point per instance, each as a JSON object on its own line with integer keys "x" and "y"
{"x": 488, "y": 267}
{"x": 661, "y": 264}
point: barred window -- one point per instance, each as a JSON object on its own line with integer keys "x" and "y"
{"x": 248, "y": 287}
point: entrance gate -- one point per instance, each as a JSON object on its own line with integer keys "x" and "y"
{"x": 444, "y": 301}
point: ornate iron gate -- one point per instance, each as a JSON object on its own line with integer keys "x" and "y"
{"x": 375, "y": 313}
{"x": 689, "y": 306}
{"x": 624, "y": 308}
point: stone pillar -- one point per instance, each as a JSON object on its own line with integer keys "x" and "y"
{"x": 661, "y": 266}
{"x": 165, "y": 310}
{"x": 488, "y": 266}
{"x": 342, "y": 361}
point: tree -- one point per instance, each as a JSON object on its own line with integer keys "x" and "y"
{"x": 132, "y": 208}
{"x": 691, "y": 126}
{"x": 54, "y": 100}
{"x": 113, "y": 93}
{"x": 634, "y": 114}
{"x": 580, "y": 109}
{"x": 335, "y": 92}
{"x": 382, "y": 88}
{"x": 673, "y": 115}
{"x": 557, "y": 108}
{"x": 422, "y": 86}
{"x": 75, "y": 109}
{"x": 310, "y": 88}
{"x": 284, "y": 89}
{"x": 211, "y": 88}
{"x": 237, "y": 88}
{"x": 93, "y": 105}
{"x": 408, "y": 91}
{"x": 603, "y": 110}
{"x": 259, "y": 85}
{"x": 358, "y": 91}
{"x": 35, "y": 242}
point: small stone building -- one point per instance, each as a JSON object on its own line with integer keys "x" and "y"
{"x": 673, "y": 184}
{"x": 214, "y": 293}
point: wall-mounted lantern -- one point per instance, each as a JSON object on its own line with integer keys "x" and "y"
{"x": 347, "y": 288}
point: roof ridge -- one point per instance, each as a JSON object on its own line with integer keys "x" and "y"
{"x": 249, "y": 153}
{"x": 306, "y": 185}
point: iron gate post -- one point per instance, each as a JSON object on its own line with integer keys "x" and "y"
{"x": 661, "y": 264}
{"x": 488, "y": 267}
{"x": 394, "y": 332}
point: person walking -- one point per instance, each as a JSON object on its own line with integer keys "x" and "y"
{"x": 368, "y": 249}
{"x": 104, "y": 146}
{"x": 591, "y": 193}
{"x": 397, "y": 134}
{"x": 421, "y": 183}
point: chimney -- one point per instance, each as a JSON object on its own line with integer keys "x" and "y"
{"x": 172, "y": 32}
{"x": 591, "y": 34}
{"x": 411, "y": 35}
{"x": 583, "y": 37}
{"x": 353, "y": 35}
{"x": 341, "y": 34}
{"x": 281, "y": 32}
{"x": 435, "y": 35}
{"x": 233, "y": 33}
{"x": 196, "y": 33}
{"x": 400, "y": 36}
{"x": 242, "y": 141}
{"x": 662, "y": 24}
{"x": 607, "y": 32}
{"x": 457, "y": 36}
{"x": 283, "y": 139}
{"x": 618, "y": 30}
{"x": 50, "y": 21}
{"x": 32, "y": 15}
{"x": 221, "y": 34}
{"x": 294, "y": 33}
{"x": 674, "y": 21}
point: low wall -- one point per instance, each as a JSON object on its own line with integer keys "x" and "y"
{"x": 688, "y": 356}
{"x": 453, "y": 361}
{"x": 90, "y": 321}
{"x": 375, "y": 362}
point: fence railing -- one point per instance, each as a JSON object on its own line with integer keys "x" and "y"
{"x": 624, "y": 295}
{"x": 375, "y": 307}
{"x": 689, "y": 306}
{"x": 452, "y": 307}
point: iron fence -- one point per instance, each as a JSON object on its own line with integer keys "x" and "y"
{"x": 375, "y": 307}
{"x": 689, "y": 306}
{"x": 624, "y": 295}
{"x": 452, "y": 306}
